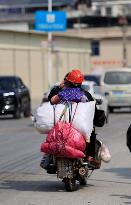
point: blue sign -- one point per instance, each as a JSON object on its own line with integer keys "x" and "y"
{"x": 50, "y": 21}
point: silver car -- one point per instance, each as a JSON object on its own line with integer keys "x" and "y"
{"x": 98, "y": 95}
{"x": 117, "y": 84}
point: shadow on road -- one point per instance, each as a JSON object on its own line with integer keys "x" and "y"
{"x": 123, "y": 197}
{"x": 39, "y": 186}
{"x": 122, "y": 172}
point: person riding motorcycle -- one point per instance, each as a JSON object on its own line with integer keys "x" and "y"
{"x": 70, "y": 90}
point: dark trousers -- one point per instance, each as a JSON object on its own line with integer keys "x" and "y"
{"x": 90, "y": 148}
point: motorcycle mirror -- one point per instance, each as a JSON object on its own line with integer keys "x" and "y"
{"x": 99, "y": 101}
{"x": 106, "y": 93}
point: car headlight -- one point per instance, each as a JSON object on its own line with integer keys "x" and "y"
{"x": 8, "y": 94}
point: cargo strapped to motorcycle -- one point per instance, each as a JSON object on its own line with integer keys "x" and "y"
{"x": 60, "y": 140}
{"x": 68, "y": 106}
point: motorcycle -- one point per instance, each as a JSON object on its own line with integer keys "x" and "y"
{"x": 70, "y": 170}
{"x": 65, "y": 145}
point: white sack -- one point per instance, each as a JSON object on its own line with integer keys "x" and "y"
{"x": 83, "y": 119}
{"x": 44, "y": 116}
{"x": 104, "y": 153}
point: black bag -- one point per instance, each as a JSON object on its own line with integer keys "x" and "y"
{"x": 99, "y": 118}
{"x": 128, "y": 138}
{"x": 48, "y": 164}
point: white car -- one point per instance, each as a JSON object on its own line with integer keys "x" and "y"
{"x": 95, "y": 91}
{"x": 116, "y": 82}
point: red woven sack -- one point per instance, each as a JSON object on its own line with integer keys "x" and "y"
{"x": 64, "y": 140}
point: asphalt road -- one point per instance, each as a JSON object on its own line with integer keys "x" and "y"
{"x": 23, "y": 182}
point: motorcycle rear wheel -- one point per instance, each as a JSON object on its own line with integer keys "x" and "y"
{"x": 70, "y": 184}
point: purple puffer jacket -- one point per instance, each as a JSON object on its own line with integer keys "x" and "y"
{"x": 71, "y": 95}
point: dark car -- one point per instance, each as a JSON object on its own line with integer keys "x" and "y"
{"x": 14, "y": 97}
{"x": 95, "y": 78}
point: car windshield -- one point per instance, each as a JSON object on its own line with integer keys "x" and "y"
{"x": 97, "y": 90}
{"x": 95, "y": 78}
{"x": 92, "y": 89}
{"x": 117, "y": 77}
{"x": 7, "y": 83}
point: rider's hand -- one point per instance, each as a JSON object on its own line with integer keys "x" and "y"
{"x": 55, "y": 99}
{"x": 61, "y": 84}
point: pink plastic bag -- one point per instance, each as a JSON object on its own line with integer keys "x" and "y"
{"x": 64, "y": 140}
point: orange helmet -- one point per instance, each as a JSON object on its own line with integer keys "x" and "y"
{"x": 75, "y": 76}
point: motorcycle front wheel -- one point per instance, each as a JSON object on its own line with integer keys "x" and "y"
{"x": 70, "y": 184}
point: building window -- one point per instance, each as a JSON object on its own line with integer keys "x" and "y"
{"x": 95, "y": 48}
{"x": 14, "y": 11}
{"x": 109, "y": 11}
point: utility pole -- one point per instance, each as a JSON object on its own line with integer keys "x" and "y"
{"x": 123, "y": 23}
{"x": 49, "y": 49}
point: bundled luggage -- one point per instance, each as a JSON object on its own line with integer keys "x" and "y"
{"x": 81, "y": 115}
{"x": 68, "y": 127}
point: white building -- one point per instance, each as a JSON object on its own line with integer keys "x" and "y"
{"x": 111, "y": 7}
